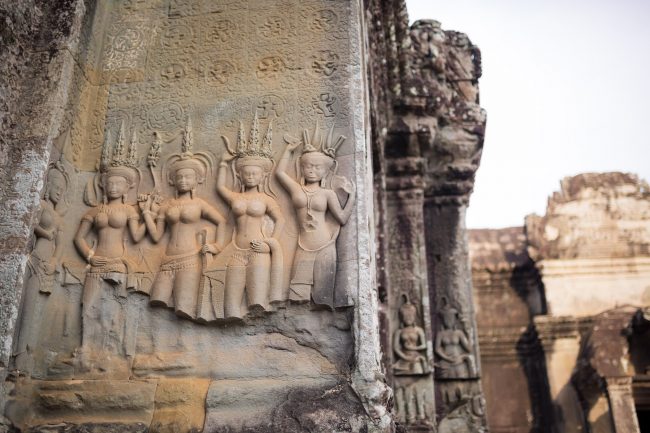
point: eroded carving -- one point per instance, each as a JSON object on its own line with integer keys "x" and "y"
{"x": 270, "y": 106}
{"x": 106, "y": 285}
{"x": 325, "y": 20}
{"x": 410, "y": 405}
{"x": 320, "y": 214}
{"x": 455, "y": 359}
{"x": 325, "y": 63}
{"x": 44, "y": 264}
{"x": 270, "y": 67}
{"x": 409, "y": 344}
{"x": 165, "y": 116}
{"x": 324, "y": 104}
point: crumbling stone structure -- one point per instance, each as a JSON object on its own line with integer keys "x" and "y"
{"x": 229, "y": 216}
{"x": 561, "y": 310}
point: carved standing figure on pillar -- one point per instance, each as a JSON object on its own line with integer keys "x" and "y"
{"x": 107, "y": 283}
{"x": 178, "y": 282}
{"x": 320, "y": 216}
{"x": 409, "y": 344}
{"x": 254, "y": 257}
{"x": 453, "y": 347}
{"x": 44, "y": 261}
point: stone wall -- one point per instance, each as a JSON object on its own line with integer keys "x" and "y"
{"x": 142, "y": 125}
{"x": 139, "y": 91}
{"x": 37, "y": 41}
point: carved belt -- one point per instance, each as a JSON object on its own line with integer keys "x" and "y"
{"x": 180, "y": 262}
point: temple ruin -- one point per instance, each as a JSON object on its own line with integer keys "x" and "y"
{"x": 236, "y": 216}
{"x": 562, "y": 310}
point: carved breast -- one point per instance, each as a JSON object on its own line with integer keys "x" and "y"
{"x": 185, "y": 213}
{"x": 255, "y": 208}
{"x": 48, "y": 219}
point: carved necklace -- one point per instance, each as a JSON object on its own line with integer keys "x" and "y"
{"x": 110, "y": 209}
{"x": 310, "y": 221}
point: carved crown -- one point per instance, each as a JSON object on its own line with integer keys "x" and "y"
{"x": 317, "y": 143}
{"x": 120, "y": 155}
{"x": 252, "y": 147}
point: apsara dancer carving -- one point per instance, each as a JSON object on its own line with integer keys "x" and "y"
{"x": 320, "y": 215}
{"x": 254, "y": 257}
{"x": 103, "y": 314}
{"x": 178, "y": 281}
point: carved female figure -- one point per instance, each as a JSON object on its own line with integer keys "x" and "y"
{"x": 408, "y": 343}
{"x": 254, "y": 266}
{"x": 452, "y": 347}
{"x": 106, "y": 283}
{"x": 44, "y": 260}
{"x": 178, "y": 281}
{"x": 320, "y": 217}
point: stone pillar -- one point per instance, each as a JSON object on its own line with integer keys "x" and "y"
{"x": 410, "y": 370}
{"x": 38, "y": 51}
{"x": 432, "y": 144}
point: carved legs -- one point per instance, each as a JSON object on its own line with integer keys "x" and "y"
{"x": 252, "y": 278}
{"x": 258, "y": 279}
{"x": 234, "y": 292}
{"x": 186, "y": 290}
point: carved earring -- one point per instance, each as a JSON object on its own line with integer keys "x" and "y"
{"x": 193, "y": 192}
{"x": 124, "y": 197}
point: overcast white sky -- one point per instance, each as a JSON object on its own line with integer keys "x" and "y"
{"x": 565, "y": 85}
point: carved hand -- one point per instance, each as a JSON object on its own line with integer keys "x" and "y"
{"x": 98, "y": 261}
{"x": 260, "y": 246}
{"x": 49, "y": 267}
{"x": 292, "y": 143}
{"x": 210, "y": 248}
{"x": 155, "y": 203}
{"x": 348, "y": 187}
{"x": 143, "y": 202}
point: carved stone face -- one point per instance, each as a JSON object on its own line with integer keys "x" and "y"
{"x": 408, "y": 316}
{"x": 115, "y": 186}
{"x": 185, "y": 180}
{"x": 449, "y": 319}
{"x": 251, "y": 175}
{"x": 315, "y": 166}
{"x": 56, "y": 188}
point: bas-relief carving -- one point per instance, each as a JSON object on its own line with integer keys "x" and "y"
{"x": 412, "y": 383}
{"x": 409, "y": 344}
{"x": 253, "y": 259}
{"x": 110, "y": 271}
{"x": 412, "y": 405}
{"x": 453, "y": 347}
{"x": 316, "y": 197}
{"x": 44, "y": 266}
{"x": 180, "y": 278}
{"x": 199, "y": 275}
{"x": 148, "y": 94}
{"x": 466, "y": 408}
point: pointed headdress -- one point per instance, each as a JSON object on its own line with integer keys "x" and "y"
{"x": 200, "y": 162}
{"x": 252, "y": 151}
{"x": 121, "y": 159}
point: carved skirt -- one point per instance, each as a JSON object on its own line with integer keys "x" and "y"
{"x": 44, "y": 277}
{"x": 103, "y": 312}
{"x": 177, "y": 284}
{"x": 314, "y": 274}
